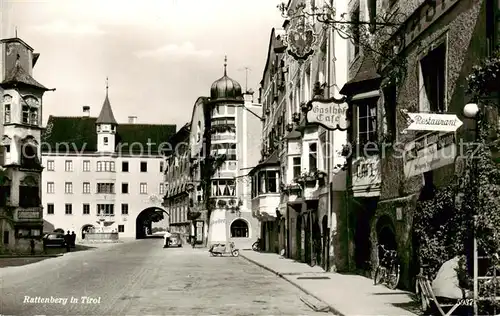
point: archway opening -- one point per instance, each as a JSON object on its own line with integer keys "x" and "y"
{"x": 386, "y": 235}
{"x": 86, "y": 229}
{"x": 145, "y": 219}
{"x": 239, "y": 229}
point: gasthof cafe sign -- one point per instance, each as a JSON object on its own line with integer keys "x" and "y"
{"x": 331, "y": 113}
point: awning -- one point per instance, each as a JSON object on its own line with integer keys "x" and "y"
{"x": 271, "y": 161}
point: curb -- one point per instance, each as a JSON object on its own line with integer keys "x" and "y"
{"x": 29, "y": 256}
{"x": 332, "y": 309}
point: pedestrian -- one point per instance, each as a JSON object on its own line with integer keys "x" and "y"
{"x": 193, "y": 241}
{"x": 32, "y": 246}
{"x": 73, "y": 239}
{"x": 67, "y": 241}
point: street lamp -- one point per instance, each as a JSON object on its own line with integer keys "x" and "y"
{"x": 472, "y": 111}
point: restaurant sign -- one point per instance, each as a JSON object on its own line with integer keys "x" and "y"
{"x": 329, "y": 113}
{"x": 429, "y": 152}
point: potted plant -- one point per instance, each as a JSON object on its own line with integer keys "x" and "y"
{"x": 304, "y": 107}
{"x": 221, "y": 203}
{"x": 289, "y": 127}
{"x": 296, "y": 117}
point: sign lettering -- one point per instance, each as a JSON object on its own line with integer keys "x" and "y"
{"x": 330, "y": 115}
{"x": 366, "y": 179}
{"x": 433, "y": 122}
{"x": 429, "y": 152}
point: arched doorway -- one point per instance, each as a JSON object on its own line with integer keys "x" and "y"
{"x": 385, "y": 234}
{"x": 86, "y": 229}
{"x": 239, "y": 229}
{"x": 145, "y": 220}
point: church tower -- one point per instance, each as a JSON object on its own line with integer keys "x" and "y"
{"x": 106, "y": 127}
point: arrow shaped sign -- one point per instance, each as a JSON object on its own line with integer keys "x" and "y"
{"x": 434, "y": 122}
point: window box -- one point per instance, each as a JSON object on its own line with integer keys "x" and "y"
{"x": 221, "y": 203}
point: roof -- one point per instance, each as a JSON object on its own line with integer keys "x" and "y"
{"x": 272, "y": 160}
{"x": 18, "y": 75}
{"x": 106, "y": 116}
{"x": 78, "y": 134}
{"x": 181, "y": 136}
{"x": 367, "y": 73}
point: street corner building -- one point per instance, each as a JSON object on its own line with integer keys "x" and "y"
{"x": 103, "y": 179}
{"x": 207, "y": 194}
{"x": 429, "y": 49}
{"x": 21, "y": 215}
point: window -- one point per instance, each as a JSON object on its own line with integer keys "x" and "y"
{"x": 7, "y": 113}
{"x": 86, "y": 165}
{"x": 50, "y": 187}
{"x": 68, "y": 165}
{"x": 223, "y": 188}
{"x": 50, "y": 208}
{"x": 124, "y": 209}
{"x": 68, "y": 187}
{"x": 33, "y": 116}
{"x": 105, "y": 141}
{"x": 86, "y": 187}
{"x": 313, "y": 157}
{"x": 267, "y": 181}
{"x": 86, "y": 209}
{"x": 50, "y": 165}
{"x": 26, "y": 114}
{"x": 124, "y": 187}
{"x": 432, "y": 78}
{"x": 162, "y": 189}
{"x": 390, "y": 111}
{"x": 106, "y": 188}
{"x": 356, "y": 30}
{"x": 367, "y": 123}
{"x": 29, "y": 195}
{"x": 239, "y": 229}
{"x": 144, "y": 166}
{"x": 106, "y": 166}
{"x": 124, "y": 166}
{"x": 121, "y": 228}
{"x": 68, "y": 209}
{"x": 105, "y": 209}
{"x": 296, "y": 165}
{"x": 143, "y": 188}
{"x": 161, "y": 166}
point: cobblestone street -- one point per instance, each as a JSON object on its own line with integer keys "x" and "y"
{"x": 142, "y": 278}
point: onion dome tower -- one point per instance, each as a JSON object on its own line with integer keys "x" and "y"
{"x": 225, "y": 88}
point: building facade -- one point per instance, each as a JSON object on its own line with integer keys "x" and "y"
{"x": 21, "y": 210}
{"x": 101, "y": 175}
{"x": 433, "y": 49}
{"x": 178, "y": 183}
{"x": 303, "y": 215}
{"x": 225, "y": 141}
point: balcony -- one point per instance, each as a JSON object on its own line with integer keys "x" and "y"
{"x": 28, "y": 214}
{"x": 264, "y": 206}
{"x": 105, "y": 197}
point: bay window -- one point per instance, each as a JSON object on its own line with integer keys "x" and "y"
{"x": 313, "y": 157}
{"x": 223, "y": 188}
{"x": 296, "y": 167}
{"x": 267, "y": 181}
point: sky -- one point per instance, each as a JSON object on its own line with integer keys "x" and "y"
{"x": 159, "y": 55}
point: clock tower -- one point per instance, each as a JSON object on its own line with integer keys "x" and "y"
{"x": 106, "y": 127}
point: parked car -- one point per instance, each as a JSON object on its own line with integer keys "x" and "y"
{"x": 175, "y": 240}
{"x": 54, "y": 240}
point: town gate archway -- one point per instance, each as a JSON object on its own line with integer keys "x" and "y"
{"x": 145, "y": 219}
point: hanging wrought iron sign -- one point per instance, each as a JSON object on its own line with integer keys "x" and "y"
{"x": 300, "y": 38}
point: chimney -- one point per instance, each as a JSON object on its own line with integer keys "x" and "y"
{"x": 132, "y": 119}
{"x": 86, "y": 111}
{"x": 248, "y": 96}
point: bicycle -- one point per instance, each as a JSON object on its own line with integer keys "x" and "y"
{"x": 257, "y": 245}
{"x": 388, "y": 271}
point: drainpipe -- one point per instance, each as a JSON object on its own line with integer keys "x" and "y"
{"x": 330, "y": 151}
